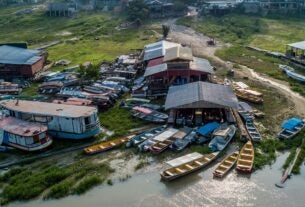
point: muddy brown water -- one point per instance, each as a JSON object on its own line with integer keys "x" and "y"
{"x": 194, "y": 190}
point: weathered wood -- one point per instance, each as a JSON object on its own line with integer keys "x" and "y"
{"x": 244, "y": 136}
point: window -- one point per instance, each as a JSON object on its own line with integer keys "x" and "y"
{"x": 87, "y": 120}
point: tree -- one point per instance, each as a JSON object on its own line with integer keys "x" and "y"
{"x": 165, "y": 30}
{"x": 137, "y": 9}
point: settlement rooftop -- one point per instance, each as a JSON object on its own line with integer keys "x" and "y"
{"x": 18, "y": 56}
{"x": 48, "y": 109}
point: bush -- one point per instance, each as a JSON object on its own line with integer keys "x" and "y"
{"x": 59, "y": 190}
{"x": 86, "y": 184}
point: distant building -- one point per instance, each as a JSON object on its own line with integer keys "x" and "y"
{"x": 215, "y": 6}
{"x": 18, "y": 62}
{"x": 160, "y": 8}
{"x": 62, "y": 9}
{"x": 267, "y": 6}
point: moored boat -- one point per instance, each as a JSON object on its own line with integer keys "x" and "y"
{"x": 252, "y": 131}
{"x": 149, "y": 114}
{"x": 246, "y": 158}
{"x": 9, "y": 88}
{"x": 188, "y": 167}
{"x": 144, "y": 136}
{"x": 162, "y": 145}
{"x": 23, "y": 135}
{"x": 74, "y": 101}
{"x": 107, "y": 145}
{"x": 224, "y": 167}
{"x": 158, "y": 138}
{"x": 222, "y": 137}
{"x": 290, "y": 72}
{"x": 291, "y": 127}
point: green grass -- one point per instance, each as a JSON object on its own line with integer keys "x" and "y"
{"x": 27, "y": 183}
{"x": 119, "y": 120}
{"x": 87, "y": 183}
{"x": 89, "y": 36}
{"x": 242, "y": 30}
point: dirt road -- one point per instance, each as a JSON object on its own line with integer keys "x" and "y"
{"x": 197, "y": 42}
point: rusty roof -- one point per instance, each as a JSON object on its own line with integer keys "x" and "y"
{"x": 48, "y": 109}
{"x": 20, "y": 127}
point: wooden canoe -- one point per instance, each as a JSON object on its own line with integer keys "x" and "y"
{"x": 249, "y": 97}
{"x": 246, "y": 158}
{"x": 107, "y": 145}
{"x": 159, "y": 147}
{"x": 189, "y": 167}
{"x": 226, "y": 164}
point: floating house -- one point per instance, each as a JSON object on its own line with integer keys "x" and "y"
{"x": 197, "y": 103}
{"x": 63, "y": 121}
{"x": 177, "y": 67}
{"x": 23, "y": 135}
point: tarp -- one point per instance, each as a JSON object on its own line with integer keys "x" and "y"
{"x": 290, "y": 124}
{"x": 184, "y": 159}
{"x": 208, "y": 128}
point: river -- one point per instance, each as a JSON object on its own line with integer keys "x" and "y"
{"x": 198, "y": 189}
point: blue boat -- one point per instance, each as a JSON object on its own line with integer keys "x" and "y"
{"x": 291, "y": 127}
{"x": 222, "y": 137}
{"x": 204, "y": 132}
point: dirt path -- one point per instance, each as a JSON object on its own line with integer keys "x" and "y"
{"x": 197, "y": 42}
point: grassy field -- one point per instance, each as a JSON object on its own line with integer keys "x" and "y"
{"x": 241, "y": 30}
{"x": 85, "y": 37}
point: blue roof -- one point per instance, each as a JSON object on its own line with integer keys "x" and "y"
{"x": 290, "y": 124}
{"x": 18, "y": 56}
{"x": 208, "y": 128}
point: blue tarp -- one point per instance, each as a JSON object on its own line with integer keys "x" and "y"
{"x": 290, "y": 124}
{"x": 208, "y": 128}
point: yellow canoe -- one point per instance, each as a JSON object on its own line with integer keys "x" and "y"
{"x": 189, "y": 167}
{"x": 246, "y": 158}
{"x": 227, "y": 164}
{"x": 107, "y": 145}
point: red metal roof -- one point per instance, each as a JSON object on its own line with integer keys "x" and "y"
{"x": 154, "y": 62}
{"x": 20, "y": 127}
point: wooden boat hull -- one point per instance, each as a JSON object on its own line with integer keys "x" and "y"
{"x": 226, "y": 165}
{"x": 246, "y": 158}
{"x": 105, "y": 146}
{"x": 164, "y": 174}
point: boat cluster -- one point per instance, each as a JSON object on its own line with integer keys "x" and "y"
{"x": 114, "y": 79}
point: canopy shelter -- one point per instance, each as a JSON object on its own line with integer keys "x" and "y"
{"x": 296, "y": 50}
{"x": 198, "y": 103}
{"x": 201, "y": 95}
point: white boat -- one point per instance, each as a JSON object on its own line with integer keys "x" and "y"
{"x": 290, "y": 72}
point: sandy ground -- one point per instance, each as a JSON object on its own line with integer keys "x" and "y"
{"x": 197, "y": 41}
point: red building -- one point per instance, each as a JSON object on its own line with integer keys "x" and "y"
{"x": 18, "y": 62}
{"x": 177, "y": 67}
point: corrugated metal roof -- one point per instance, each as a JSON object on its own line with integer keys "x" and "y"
{"x": 18, "y": 56}
{"x": 157, "y": 49}
{"x": 197, "y": 64}
{"x": 201, "y": 65}
{"x": 299, "y": 45}
{"x": 20, "y": 127}
{"x": 155, "y": 69}
{"x": 178, "y": 52}
{"x": 48, "y": 109}
{"x": 201, "y": 95}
